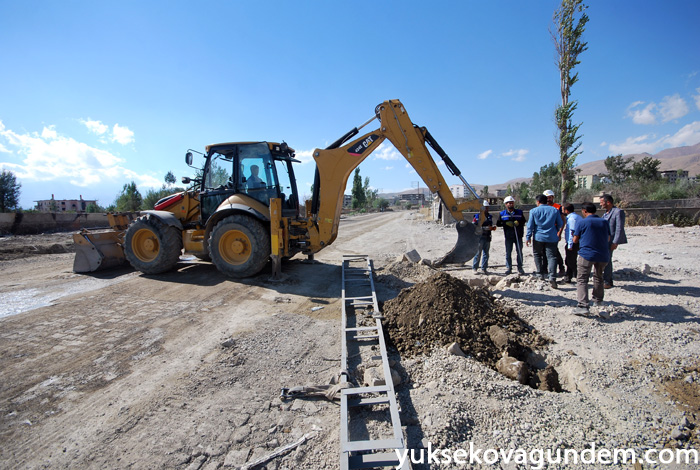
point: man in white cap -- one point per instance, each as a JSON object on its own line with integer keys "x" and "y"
{"x": 513, "y": 222}
{"x": 484, "y": 241}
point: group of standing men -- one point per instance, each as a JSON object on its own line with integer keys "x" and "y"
{"x": 589, "y": 243}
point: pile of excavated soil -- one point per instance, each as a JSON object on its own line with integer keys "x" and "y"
{"x": 443, "y": 310}
{"x": 403, "y": 273}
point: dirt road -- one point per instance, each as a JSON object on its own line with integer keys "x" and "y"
{"x": 120, "y": 369}
{"x": 183, "y": 370}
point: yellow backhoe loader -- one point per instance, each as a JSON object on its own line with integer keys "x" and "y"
{"x": 243, "y": 210}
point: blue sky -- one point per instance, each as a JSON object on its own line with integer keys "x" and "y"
{"x": 96, "y": 94}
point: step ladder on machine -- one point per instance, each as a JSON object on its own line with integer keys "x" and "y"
{"x": 362, "y": 338}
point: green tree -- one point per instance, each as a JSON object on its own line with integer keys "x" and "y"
{"x": 569, "y": 24}
{"x": 485, "y": 192}
{"x": 522, "y": 193}
{"x": 370, "y": 194}
{"x": 129, "y": 200}
{"x": 358, "y": 191}
{"x": 93, "y": 208}
{"x": 381, "y": 203}
{"x": 549, "y": 177}
{"x": 154, "y": 195}
{"x": 646, "y": 169}
{"x": 9, "y": 191}
{"x": 618, "y": 168}
{"x": 170, "y": 178}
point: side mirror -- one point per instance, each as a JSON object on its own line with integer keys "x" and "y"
{"x": 188, "y": 158}
{"x": 186, "y": 179}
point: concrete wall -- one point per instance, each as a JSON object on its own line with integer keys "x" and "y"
{"x": 22, "y": 223}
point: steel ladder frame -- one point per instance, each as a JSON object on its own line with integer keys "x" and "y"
{"x": 369, "y": 453}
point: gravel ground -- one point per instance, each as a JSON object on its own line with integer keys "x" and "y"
{"x": 131, "y": 371}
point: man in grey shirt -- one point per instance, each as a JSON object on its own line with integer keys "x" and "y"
{"x": 616, "y": 218}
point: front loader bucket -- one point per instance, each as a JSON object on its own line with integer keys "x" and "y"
{"x": 466, "y": 247}
{"x": 95, "y": 251}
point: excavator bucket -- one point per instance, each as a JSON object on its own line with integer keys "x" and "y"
{"x": 95, "y": 251}
{"x": 466, "y": 247}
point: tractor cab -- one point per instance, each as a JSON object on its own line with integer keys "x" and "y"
{"x": 256, "y": 171}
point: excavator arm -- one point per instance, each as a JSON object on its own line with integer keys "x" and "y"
{"x": 335, "y": 164}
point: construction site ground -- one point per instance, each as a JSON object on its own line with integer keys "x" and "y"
{"x": 183, "y": 370}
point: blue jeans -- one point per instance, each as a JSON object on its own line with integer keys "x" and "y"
{"x": 539, "y": 249}
{"x": 484, "y": 247}
{"x": 518, "y": 253}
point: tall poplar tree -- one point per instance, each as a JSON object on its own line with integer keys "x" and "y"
{"x": 358, "y": 192}
{"x": 569, "y": 24}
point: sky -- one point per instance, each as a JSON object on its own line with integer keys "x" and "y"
{"x": 94, "y": 95}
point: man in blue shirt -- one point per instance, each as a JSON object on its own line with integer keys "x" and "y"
{"x": 570, "y": 248}
{"x": 593, "y": 236}
{"x": 543, "y": 227}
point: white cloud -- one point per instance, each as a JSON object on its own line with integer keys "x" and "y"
{"x": 697, "y": 98}
{"x": 386, "y": 151}
{"x": 50, "y": 156}
{"x": 387, "y": 168}
{"x": 49, "y": 133}
{"x": 673, "y": 107}
{"x": 686, "y": 135}
{"x": 96, "y": 127}
{"x": 304, "y": 156}
{"x": 484, "y": 155}
{"x": 122, "y": 135}
{"x": 518, "y": 155}
{"x": 638, "y": 144}
{"x": 642, "y": 116}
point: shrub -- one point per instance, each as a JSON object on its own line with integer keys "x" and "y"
{"x": 676, "y": 218}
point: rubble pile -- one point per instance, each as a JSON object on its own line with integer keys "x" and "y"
{"x": 444, "y": 310}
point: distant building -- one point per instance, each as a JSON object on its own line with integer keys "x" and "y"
{"x": 674, "y": 175}
{"x": 413, "y": 198}
{"x": 347, "y": 200}
{"x": 501, "y": 193}
{"x": 458, "y": 190}
{"x": 64, "y": 205}
{"x": 587, "y": 181}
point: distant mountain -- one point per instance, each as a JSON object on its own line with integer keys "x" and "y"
{"x": 678, "y": 158}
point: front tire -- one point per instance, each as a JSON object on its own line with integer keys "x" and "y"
{"x": 239, "y": 246}
{"x": 151, "y": 246}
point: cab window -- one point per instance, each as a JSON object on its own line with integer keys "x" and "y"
{"x": 257, "y": 177}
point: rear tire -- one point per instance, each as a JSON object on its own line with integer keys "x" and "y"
{"x": 239, "y": 246}
{"x": 151, "y": 246}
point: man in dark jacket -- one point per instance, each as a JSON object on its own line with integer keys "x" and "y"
{"x": 485, "y": 241}
{"x": 513, "y": 222}
{"x": 616, "y": 218}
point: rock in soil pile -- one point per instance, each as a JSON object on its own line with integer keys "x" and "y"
{"x": 443, "y": 310}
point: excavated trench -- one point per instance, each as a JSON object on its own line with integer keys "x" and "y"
{"x": 443, "y": 310}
